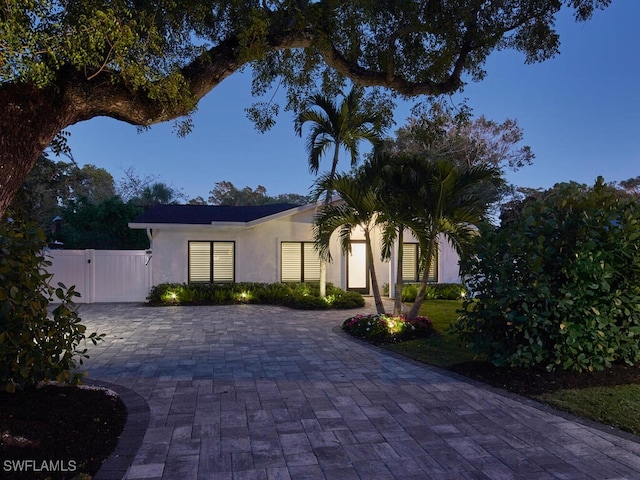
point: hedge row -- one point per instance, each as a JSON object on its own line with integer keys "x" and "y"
{"x": 435, "y": 291}
{"x": 305, "y": 296}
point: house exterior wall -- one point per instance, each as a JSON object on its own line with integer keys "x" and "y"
{"x": 257, "y": 248}
{"x": 257, "y": 251}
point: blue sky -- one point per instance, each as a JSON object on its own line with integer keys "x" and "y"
{"x": 580, "y": 113}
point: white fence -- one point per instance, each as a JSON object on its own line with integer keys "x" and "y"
{"x": 103, "y": 275}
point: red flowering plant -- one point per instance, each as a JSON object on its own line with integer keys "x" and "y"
{"x": 381, "y": 328}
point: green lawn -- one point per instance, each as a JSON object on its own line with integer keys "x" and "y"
{"x": 441, "y": 350}
{"x": 617, "y": 406}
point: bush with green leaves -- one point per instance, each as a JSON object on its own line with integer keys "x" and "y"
{"x": 35, "y": 344}
{"x": 435, "y": 291}
{"x": 558, "y": 283}
{"x": 305, "y": 296}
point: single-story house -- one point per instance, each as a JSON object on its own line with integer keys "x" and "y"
{"x": 267, "y": 243}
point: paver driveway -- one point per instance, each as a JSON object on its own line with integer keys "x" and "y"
{"x": 261, "y": 392}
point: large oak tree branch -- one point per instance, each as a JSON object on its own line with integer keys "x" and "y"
{"x": 30, "y": 116}
{"x": 391, "y": 80}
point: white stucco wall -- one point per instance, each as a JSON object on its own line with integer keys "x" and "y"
{"x": 257, "y": 248}
{"x": 257, "y": 251}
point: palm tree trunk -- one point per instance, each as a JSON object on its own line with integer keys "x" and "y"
{"x": 397, "y": 302}
{"x": 327, "y": 201}
{"x": 372, "y": 273}
{"x": 415, "y": 308}
{"x": 323, "y": 278}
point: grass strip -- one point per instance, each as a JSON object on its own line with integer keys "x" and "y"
{"x": 617, "y": 406}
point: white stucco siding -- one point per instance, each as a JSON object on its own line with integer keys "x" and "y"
{"x": 448, "y": 264}
{"x": 169, "y": 256}
{"x": 258, "y": 250}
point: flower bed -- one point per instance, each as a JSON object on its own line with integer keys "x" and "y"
{"x": 381, "y": 328}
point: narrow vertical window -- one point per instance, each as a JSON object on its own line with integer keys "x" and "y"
{"x": 291, "y": 260}
{"x": 410, "y": 262}
{"x": 411, "y": 271}
{"x": 311, "y": 263}
{"x": 223, "y": 262}
{"x": 199, "y": 261}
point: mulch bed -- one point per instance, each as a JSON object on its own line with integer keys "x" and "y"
{"x": 57, "y": 432}
{"x": 533, "y": 382}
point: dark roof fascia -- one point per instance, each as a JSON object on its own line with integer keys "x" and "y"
{"x": 223, "y": 223}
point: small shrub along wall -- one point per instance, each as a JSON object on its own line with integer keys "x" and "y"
{"x": 304, "y": 296}
{"x": 435, "y": 291}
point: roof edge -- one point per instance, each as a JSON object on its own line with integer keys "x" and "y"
{"x": 283, "y": 214}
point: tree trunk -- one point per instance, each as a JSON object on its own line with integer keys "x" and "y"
{"x": 327, "y": 201}
{"x": 397, "y": 301}
{"x": 30, "y": 118}
{"x": 415, "y": 308}
{"x": 323, "y": 278}
{"x": 372, "y": 273}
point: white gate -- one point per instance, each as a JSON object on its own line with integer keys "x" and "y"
{"x": 103, "y": 275}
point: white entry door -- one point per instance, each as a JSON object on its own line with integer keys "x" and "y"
{"x": 357, "y": 274}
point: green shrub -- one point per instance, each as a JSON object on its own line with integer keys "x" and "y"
{"x": 557, "y": 284}
{"x": 434, "y": 291}
{"x": 295, "y": 295}
{"x": 35, "y": 345}
{"x": 307, "y": 302}
{"x": 449, "y": 291}
{"x": 409, "y": 292}
{"x": 346, "y": 300}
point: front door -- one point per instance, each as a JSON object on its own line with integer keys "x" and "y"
{"x": 357, "y": 273}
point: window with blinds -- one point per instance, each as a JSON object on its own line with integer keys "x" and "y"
{"x": 211, "y": 262}
{"x": 223, "y": 265}
{"x": 411, "y": 271}
{"x": 299, "y": 262}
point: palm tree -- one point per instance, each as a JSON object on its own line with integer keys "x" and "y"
{"x": 447, "y": 201}
{"x": 341, "y": 126}
{"x": 158, "y": 193}
{"x": 359, "y": 207}
{"x": 392, "y": 177}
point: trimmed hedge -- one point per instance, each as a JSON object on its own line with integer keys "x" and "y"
{"x": 435, "y": 291}
{"x": 303, "y": 296}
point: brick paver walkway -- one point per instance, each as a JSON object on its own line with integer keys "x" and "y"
{"x": 260, "y": 392}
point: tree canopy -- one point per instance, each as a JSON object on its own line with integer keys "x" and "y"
{"x": 441, "y": 130}
{"x": 226, "y": 193}
{"x": 51, "y": 185}
{"x": 146, "y": 62}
